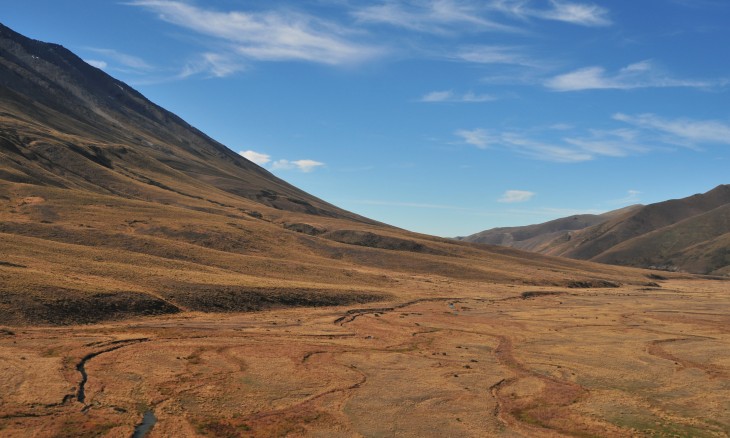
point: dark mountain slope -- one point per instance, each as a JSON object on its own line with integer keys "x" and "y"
{"x": 110, "y": 124}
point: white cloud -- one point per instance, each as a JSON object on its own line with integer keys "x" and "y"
{"x": 278, "y": 35}
{"x": 513, "y": 196}
{"x": 432, "y": 16}
{"x": 214, "y": 64}
{"x": 302, "y": 165}
{"x": 263, "y": 159}
{"x": 681, "y": 131}
{"x": 122, "y": 59}
{"x": 609, "y": 143}
{"x": 639, "y": 75}
{"x": 450, "y": 96}
{"x": 438, "y": 96}
{"x": 540, "y": 150}
{"x": 568, "y": 149}
{"x": 256, "y": 157}
{"x": 94, "y": 63}
{"x": 448, "y": 16}
{"x": 576, "y": 13}
{"x": 475, "y": 137}
{"x": 569, "y": 12}
{"x": 495, "y": 55}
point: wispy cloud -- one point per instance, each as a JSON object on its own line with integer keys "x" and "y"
{"x": 642, "y": 74}
{"x": 545, "y": 151}
{"x": 276, "y": 35}
{"x": 480, "y": 138}
{"x": 514, "y": 196}
{"x": 572, "y": 147}
{"x": 256, "y": 157}
{"x": 95, "y": 63}
{"x": 583, "y": 14}
{"x": 568, "y": 144}
{"x": 632, "y": 197}
{"x": 263, "y": 159}
{"x": 432, "y": 16}
{"x": 214, "y": 64}
{"x": 495, "y": 55}
{"x": 305, "y": 166}
{"x": 682, "y": 130}
{"x": 452, "y": 16}
{"x": 114, "y": 58}
{"x": 450, "y": 96}
{"x": 609, "y": 143}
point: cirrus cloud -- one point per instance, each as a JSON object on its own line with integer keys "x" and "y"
{"x": 450, "y": 96}
{"x": 514, "y": 196}
{"x": 305, "y": 166}
{"x": 642, "y": 74}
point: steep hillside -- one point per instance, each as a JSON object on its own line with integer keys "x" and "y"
{"x": 68, "y": 124}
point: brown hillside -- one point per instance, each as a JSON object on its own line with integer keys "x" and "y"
{"x": 540, "y": 237}
{"x": 687, "y": 234}
{"x": 592, "y": 242}
{"x": 697, "y": 244}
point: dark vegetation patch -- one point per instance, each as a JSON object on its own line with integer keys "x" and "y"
{"x": 205, "y": 237}
{"x": 254, "y": 214}
{"x": 372, "y": 240}
{"x": 305, "y": 229}
{"x": 58, "y": 306}
{"x": 214, "y": 298}
{"x": 11, "y": 265}
{"x": 656, "y": 277}
{"x": 93, "y": 153}
{"x": 592, "y": 284}
{"x": 538, "y": 293}
{"x": 220, "y": 429}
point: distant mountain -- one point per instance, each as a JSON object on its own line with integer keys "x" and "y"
{"x": 112, "y": 207}
{"x": 542, "y": 236}
{"x": 690, "y": 234}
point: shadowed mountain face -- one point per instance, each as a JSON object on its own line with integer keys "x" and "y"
{"x": 690, "y": 234}
{"x": 112, "y": 207}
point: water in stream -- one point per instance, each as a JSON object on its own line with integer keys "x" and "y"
{"x": 148, "y": 421}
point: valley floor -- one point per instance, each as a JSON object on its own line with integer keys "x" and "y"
{"x": 456, "y": 360}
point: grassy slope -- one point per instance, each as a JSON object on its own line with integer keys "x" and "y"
{"x": 700, "y": 243}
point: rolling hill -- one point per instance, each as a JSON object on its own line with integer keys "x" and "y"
{"x": 690, "y": 234}
{"x": 540, "y": 236}
{"x": 112, "y": 207}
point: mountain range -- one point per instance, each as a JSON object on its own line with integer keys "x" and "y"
{"x": 113, "y": 207}
{"x": 690, "y": 235}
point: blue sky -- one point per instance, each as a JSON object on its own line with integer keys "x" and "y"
{"x": 439, "y": 116}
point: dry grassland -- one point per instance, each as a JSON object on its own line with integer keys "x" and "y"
{"x": 451, "y": 358}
